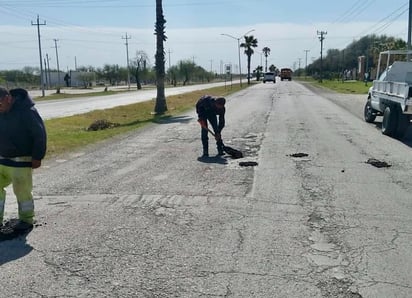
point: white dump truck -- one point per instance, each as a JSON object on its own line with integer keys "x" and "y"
{"x": 391, "y": 93}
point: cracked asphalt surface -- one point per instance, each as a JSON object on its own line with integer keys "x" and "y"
{"x": 141, "y": 216}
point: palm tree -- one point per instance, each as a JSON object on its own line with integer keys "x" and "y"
{"x": 249, "y": 44}
{"x": 266, "y": 52}
{"x": 161, "y": 105}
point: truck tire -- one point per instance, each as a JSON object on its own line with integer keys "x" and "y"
{"x": 403, "y": 124}
{"x": 368, "y": 113}
{"x": 390, "y": 121}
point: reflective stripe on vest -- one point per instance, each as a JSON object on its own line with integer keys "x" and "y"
{"x": 18, "y": 158}
{"x": 26, "y": 206}
{"x": 17, "y": 162}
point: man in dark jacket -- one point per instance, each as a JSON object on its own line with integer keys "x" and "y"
{"x": 22, "y": 147}
{"x": 208, "y": 108}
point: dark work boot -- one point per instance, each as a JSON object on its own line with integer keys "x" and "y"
{"x": 205, "y": 148}
{"x": 22, "y": 226}
{"x": 219, "y": 146}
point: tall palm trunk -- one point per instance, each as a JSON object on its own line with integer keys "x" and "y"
{"x": 249, "y": 44}
{"x": 161, "y": 105}
{"x": 248, "y": 68}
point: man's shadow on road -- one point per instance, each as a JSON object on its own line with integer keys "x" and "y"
{"x": 13, "y": 246}
{"x": 172, "y": 119}
{"x": 213, "y": 159}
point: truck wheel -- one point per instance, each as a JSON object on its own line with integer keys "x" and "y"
{"x": 368, "y": 113}
{"x": 389, "y": 122}
{"x": 403, "y": 124}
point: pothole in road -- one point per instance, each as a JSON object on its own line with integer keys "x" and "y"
{"x": 377, "y": 163}
{"x": 299, "y": 154}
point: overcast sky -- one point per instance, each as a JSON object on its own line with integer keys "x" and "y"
{"x": 93, "y": 32}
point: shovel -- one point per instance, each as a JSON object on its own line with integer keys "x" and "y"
{"x": 229, "y": 150}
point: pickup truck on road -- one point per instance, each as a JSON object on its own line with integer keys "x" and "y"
{"x": 391, "y": 94}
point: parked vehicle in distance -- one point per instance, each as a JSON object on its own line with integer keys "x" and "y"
{"x": 285, "y": 74}
{"x": 269, "y": 77}
{"x": 391, "y": 94}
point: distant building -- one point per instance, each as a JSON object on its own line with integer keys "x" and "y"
{"x": 75, "y": 79}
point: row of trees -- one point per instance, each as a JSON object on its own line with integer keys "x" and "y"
{"x": 337, "y": 61}
{"x": 140, "y": 70}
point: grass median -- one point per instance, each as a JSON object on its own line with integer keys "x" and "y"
{"x": 69, "y": 133}
{"x": 345, "y": 87}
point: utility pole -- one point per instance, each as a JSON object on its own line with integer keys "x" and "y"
{"x": 45, "y": 69}
{"x": 48, "y": 69}
{"x": 321, "y": 38}
{"x": 58, "y": 69}
{"x": 41, "y": 63}
{"x": 127, "y": 56}
{"x": 169, "y": 52}
{"x": 409, "y": 47}
{"x": 306, "y": 61}
{"x": 211, "y": 66}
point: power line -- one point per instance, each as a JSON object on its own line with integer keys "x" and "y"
{"x": 365, "y": 5}
{"x": 105, "y": 4}
{"x": 384, "y": 19}
{"x": 348, "y": 12}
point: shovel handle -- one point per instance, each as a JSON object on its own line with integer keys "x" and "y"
{"x": 211, "y": 132}
{"x": 205, "y": 127}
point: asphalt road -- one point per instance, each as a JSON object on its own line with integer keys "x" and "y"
{"x": 142, "y": 216}
{"x": 61, "y": 108}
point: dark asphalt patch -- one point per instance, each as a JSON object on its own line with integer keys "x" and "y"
{"x": 377, "y": 163}
{"x": 300, "y": 154}
{"x": 337, "y": 288}
{"x": 248, "y": 163}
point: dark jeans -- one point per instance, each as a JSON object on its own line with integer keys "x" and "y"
{"x": 205, "y": 142}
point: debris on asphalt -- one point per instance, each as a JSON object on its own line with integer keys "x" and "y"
{"x": 248, "y": 163}
{"x": 378, "y": 163}
{"x": 300, "y": 154}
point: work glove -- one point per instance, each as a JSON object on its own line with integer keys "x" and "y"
{"x": 35, "y": 163}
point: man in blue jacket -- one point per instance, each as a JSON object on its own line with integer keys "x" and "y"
{"x": 208, "y": 108}
{"x": 22, "y": 147}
